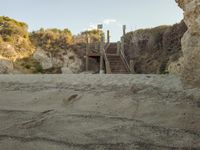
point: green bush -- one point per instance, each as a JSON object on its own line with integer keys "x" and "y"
{"x": 38, "y": 68}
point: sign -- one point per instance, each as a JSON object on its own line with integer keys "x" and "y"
{"x": 100, "y": 26}
{"x": 124, "y": 27}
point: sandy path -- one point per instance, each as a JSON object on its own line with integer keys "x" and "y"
{"x": 103, "y": 112}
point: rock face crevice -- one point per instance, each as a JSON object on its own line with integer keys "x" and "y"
{"x": 191, "y": 41}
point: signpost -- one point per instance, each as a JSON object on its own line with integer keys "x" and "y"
{"x": 124, "y": 30}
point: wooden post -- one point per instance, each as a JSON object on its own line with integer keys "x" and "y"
{"x": 118, "y": 47}
{"x": 132, "y": 66}
{"x": 101, "y": 52}
{"x": 122, "y": 45}
{"x": 96, "y": 47}
{"x": 108, "y": 36}
{"x": 87, "y": 53}
{"x": 124, "y": 30}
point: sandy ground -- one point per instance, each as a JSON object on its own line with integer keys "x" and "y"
{"x": 98, "y": 112}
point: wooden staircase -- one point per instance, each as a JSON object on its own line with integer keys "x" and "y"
{"x": 115, "y": 62}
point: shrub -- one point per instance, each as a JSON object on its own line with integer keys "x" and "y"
{"x": 38, "y": 68}
{"x": 52, "y": 40}
{"x": 94, "y": 35}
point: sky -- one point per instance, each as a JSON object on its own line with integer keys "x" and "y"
{"x": 80, "y": 15}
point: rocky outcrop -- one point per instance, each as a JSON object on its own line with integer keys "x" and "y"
{"x": 72, "y": 62}
{"x": 43, "y": 59}
{"x": 55, "y": 52}
{"x": 6, "y": 66}
{"x": 153, "y": 50}
{"x": 14, "y": 40}
{"x": 67, "y": 63}
{"x": 15, "y": 46}
{"x": 191, "y": 41}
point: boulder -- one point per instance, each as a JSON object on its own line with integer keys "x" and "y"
{"x": 72, "y": 62}
{"x": 42, "y": 57}
{"x": 6, "y": 66}
{"x": 176, "y": 67}
{"x": 57, "y": 62}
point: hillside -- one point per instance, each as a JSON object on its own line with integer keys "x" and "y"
{"x": 53, "y": 50}
{"x": 14, "y": 39}
{"x": 16, "y": 49}
{"x": 58, "y": 51}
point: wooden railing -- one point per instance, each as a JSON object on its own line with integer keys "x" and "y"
{"x": 99, "y": 49}
{"x": 122, "y": 54}
{"x": 93, "y": 48}
{"x": 107, "y": 63}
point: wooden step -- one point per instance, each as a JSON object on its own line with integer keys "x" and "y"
{"x": 112, "y": 49}
{"x": 117, "y": 65}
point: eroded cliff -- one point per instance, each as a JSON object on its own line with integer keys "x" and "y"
{"x": 191, "y": 41}
{"x": 155, "y": 50}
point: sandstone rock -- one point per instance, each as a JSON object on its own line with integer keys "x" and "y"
{"x": 42, "y": 57}
{"x": 66, "y": 70}
{"x": 8, "y": 51}
{"x": 152, "y": 50}
{"x": 191, "y": 41}
{"x": 68, "y": 63}
{"x": 176, "y": 67}
{"x": 72, "y": 62}
{"x": 6, "y": 66}
{"x": 57, "y": 62}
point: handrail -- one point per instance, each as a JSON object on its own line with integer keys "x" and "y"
{"x": 108, "y": 68}
{"x": 125, "y": 60}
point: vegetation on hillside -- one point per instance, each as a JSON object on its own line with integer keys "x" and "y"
{"x": 52, "y": 40}
{"x": 14, "y": 38}
{"x": 93, "y": 35}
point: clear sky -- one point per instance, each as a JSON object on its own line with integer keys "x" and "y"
{"x": 79, "y": 15}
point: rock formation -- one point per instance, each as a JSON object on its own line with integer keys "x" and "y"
{"x": 45, "y": 61}
{"x": 6, "y": 66}
{"x": 43, "y": 51}
{"x": 66, "y": 63}
{"x": 14, "y": 43}
{"x": 154, "y": 50}
{"x": 54, "y": 51}
{"x": 191, "y": 41}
